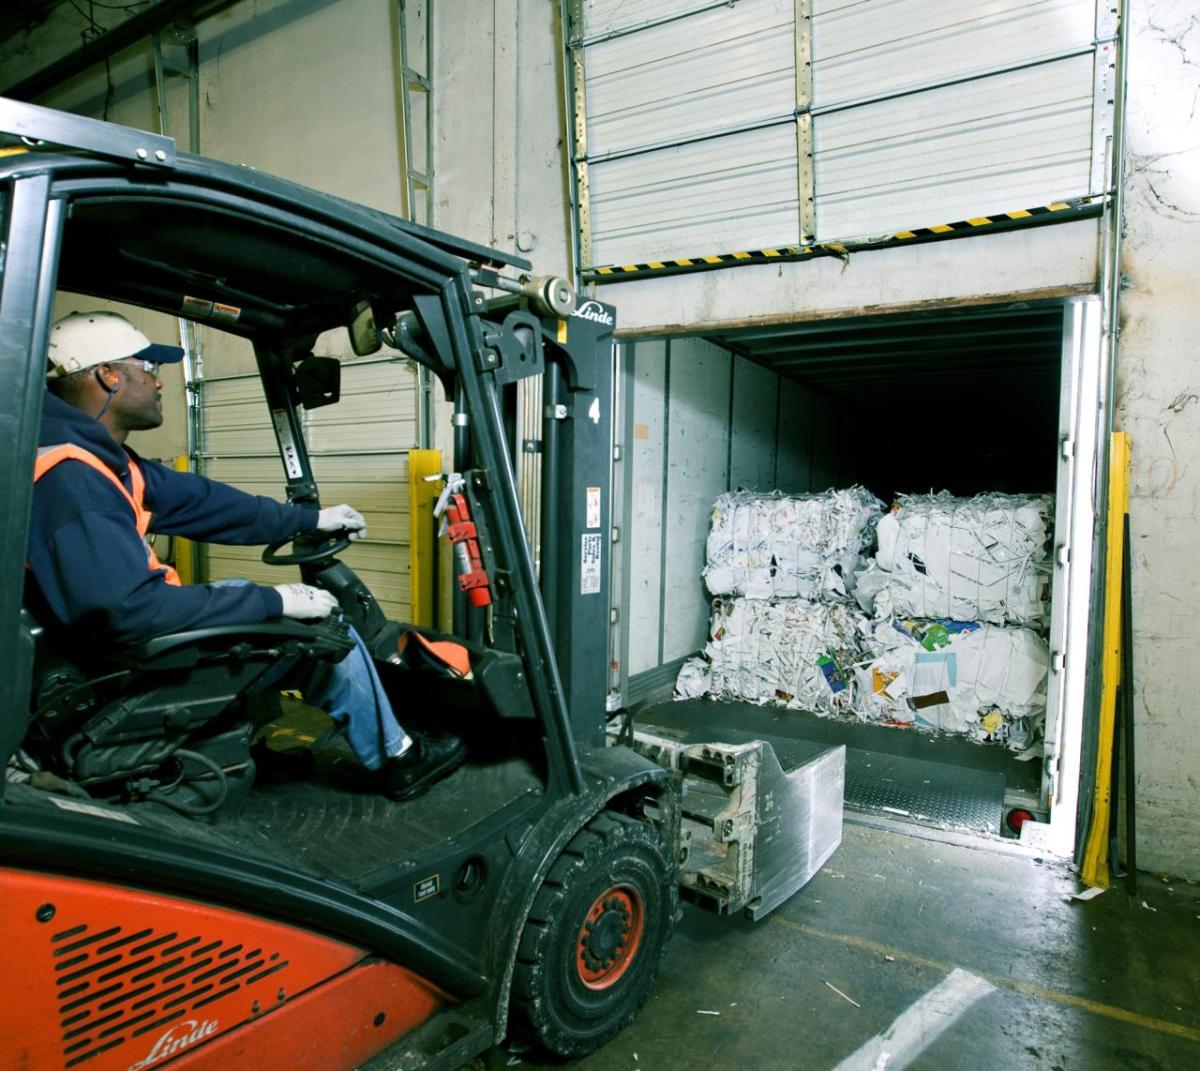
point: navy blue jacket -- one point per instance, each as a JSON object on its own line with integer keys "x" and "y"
{"x": 89, "y": 563}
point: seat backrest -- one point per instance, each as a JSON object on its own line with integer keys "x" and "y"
{"x": 92, "y": 719}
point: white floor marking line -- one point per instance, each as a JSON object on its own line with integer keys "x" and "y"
{"x": 918, "y": 1027}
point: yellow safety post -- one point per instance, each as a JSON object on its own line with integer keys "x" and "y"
{"x": 182, "y": 548}
{"x": 422, "y": 494}
{"x": 1094, "y": 870}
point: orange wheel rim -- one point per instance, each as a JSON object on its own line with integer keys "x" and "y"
{"x": 610, "y": 936}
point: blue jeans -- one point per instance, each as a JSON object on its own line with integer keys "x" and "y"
{"x": 351, "y": 693}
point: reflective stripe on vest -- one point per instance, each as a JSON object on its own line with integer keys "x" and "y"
{"x": 49, "y": 456}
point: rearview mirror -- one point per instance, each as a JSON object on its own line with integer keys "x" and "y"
{"x": 318, "y": 381}
{"x": 364, "y": 333}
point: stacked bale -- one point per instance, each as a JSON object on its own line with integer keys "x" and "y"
{"x": 958, "y": 590}
{"x": 783, "y": 629}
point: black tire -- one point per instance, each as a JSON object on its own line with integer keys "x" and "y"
{"x": 595, "y": 935}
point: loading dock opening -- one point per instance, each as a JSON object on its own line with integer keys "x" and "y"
{"x": 997, "y": 397}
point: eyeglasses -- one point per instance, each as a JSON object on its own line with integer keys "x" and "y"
{"x": 149, "y": 367}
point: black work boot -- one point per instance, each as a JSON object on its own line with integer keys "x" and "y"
{"x": 428, "y": 759}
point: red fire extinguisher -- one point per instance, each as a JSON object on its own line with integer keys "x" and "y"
{"x": 459, "y": 528}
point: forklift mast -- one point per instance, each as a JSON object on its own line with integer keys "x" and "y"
{"x": 576, "y": 523}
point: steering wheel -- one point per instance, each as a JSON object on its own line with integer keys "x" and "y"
{"x": 320, "y": 551}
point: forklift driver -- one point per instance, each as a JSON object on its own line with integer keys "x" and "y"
{"x": 96, "y": 576}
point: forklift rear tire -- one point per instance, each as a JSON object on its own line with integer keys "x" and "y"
{"x": 595, "y": 935}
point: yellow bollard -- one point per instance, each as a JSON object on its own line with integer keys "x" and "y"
{"x": 182, "y": 549}
{"x": 422, "y": 494}
{"x": 1094, "y": 869}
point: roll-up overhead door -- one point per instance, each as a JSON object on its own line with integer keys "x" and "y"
{"x": 690, "y": 137}
{"x": 359, "y": 451}
{"x": 925, "y": 112}
{"x": 705, "y": 130}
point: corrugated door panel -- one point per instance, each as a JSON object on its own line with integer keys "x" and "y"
{"x": 730, "y": 193}
{"x": 374, "y": 484}
{"x": 888, "y": 46}
{"x": 245, "y": 563}
{"x": 384, "y": 572}
{"x": 236, "y": 423}
{"x": 377, "y": 411}
{"x": 924, "y": 112}
{"x": 235, "y": 418}
{"x": 713, "y": 71}
{"x": 1003, "y": 143}
{"x": 608, "y": 16}
{"x": 259, "y": 476}
{"x": 358, "y": 451}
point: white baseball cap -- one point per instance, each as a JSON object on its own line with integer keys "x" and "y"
{"x": 85, "y": 339}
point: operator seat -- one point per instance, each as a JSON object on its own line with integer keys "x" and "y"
{"x": 167, "y": 720}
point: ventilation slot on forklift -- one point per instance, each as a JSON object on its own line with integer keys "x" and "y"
{"x": 114, "y": 985}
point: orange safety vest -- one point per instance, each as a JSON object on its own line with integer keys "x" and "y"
{"x": 49, "y": 456}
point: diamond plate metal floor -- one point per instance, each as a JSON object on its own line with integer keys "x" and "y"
{"x": 928, "y": 792}
{"x": 924, "y": 790}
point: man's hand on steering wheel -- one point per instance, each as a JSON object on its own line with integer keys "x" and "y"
{"x": 343, "y": 523}
{"x": 342, "y": 518}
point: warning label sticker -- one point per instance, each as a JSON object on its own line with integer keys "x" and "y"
{"x": 287, "y": 444}
{"x": 589, "y": 568}
{"x": 593, "y": 507}
{"x": 426, "y": 887}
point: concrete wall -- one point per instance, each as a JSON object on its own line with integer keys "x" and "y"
{"x": 1158, "y": 403}
{"x": 1051, "y": 260}
{"x": 498, "y": 141}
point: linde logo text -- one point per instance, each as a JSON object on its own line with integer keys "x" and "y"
{"x": 176, "y": 1039}
{"x": 593, "y": 310}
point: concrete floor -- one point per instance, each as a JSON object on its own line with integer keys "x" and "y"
{"x": 1111, "y": 983}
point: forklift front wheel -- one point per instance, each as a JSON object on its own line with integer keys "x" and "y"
{"x": 595, "y": 935}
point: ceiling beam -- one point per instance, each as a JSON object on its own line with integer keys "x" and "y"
{"x": 997, "y": 337}
{"x": 1052, "y": 318}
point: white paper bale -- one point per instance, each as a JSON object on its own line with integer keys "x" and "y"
{"x": 967, "y": 559}
{"x": 694, "y": 680}
{"x": 774, "y": 545}
{"x": 786, "y": 651}
{"x": 988, "y": 681}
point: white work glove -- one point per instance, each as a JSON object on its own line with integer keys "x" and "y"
{"x": 343, "y": 517}
{"x": 304, "y": 602}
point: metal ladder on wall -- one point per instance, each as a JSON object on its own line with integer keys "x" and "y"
{"x": 415, "y": 21}
{"x": 415, "y": 25}
{"x": 176, "y": 56}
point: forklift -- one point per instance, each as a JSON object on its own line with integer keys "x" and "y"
{"x": 164, "y": 904}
